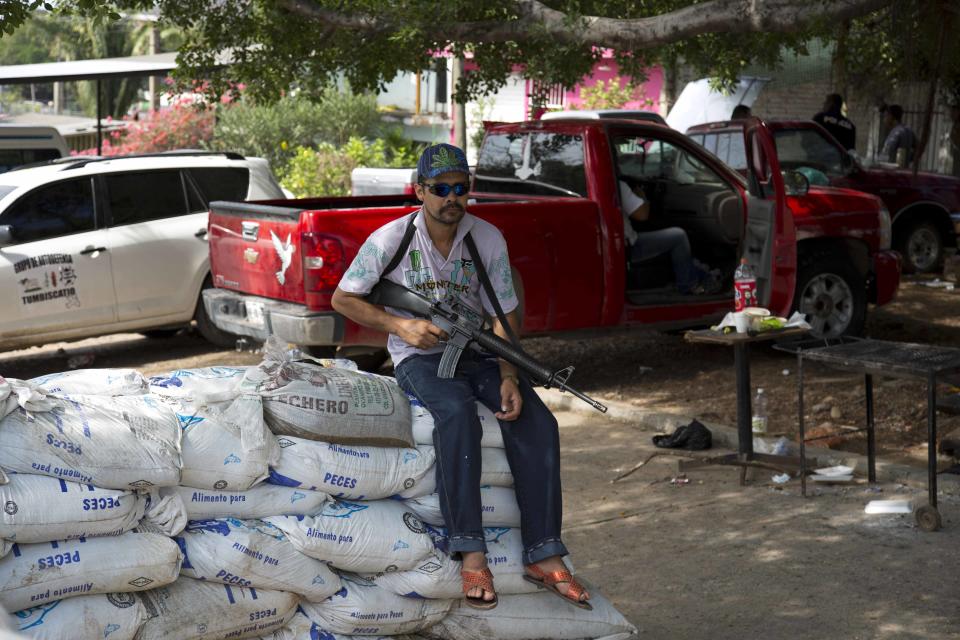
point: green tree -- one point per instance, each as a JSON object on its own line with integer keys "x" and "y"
{"x": 276, "y": 44}
{"x": 275, "y": 130}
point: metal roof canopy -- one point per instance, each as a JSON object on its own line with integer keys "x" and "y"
{"x": 158, "y": 64}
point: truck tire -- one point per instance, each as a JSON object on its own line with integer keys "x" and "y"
{"x": 922, "y": 248}
{"x": 832, "y": 294}
{"x": 205, "y": 326}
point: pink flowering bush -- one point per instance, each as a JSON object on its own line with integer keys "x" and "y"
{"x": 184, "y": 125}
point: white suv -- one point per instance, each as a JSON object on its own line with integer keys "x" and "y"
{"x": 90, "y": 246}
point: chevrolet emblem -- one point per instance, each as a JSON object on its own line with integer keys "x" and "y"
{"x": 251, "y": 255}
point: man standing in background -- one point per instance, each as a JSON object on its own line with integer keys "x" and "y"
{"x": 833, "y": 120}
{"x": 900, "y": 140}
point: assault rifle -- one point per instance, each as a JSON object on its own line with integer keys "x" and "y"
{"x": 464, "y": 326}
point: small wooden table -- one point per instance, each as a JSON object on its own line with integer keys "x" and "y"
{"x": 741, "y": 356}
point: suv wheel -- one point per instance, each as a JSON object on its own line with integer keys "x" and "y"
{"x": 205, "y": 326}
{"x": 833, "y": 296}
{"x": 922, "y": 248}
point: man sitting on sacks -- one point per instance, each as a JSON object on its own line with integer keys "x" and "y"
{"x": 433, "y": 258}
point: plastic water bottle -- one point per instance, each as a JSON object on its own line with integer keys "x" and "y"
{"x": 744, "y": 286}
{"x": 759, "y": 422}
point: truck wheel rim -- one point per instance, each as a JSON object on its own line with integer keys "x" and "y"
{"x": 922, "y": 248}
{"x": 827, "y": 301}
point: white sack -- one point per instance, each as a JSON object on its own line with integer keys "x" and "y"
{"x": 196, "y": 610}
{"x": 252, "y": 553}
{"x": 115, "y": 616}
{"x": 200, "y": 386}
{"x": 534, "y": 616}
{"x": 302, "y": 628}
{"x": 22, "y": 394}
{"x": 438, "y": 576}
{"x": 229, "y": 449}
{"x": 360, "y": 536}
{"x": 39, "y": 573}
{"x": 336, "y": 405}
{"x": 95, "y": 382}
{"x": 498, "y": 508}
{"x": 495, "y": 471}
{"x": 259, "y": 501}
{"x": 122, "y": 442}
{"x": 423, "y": 424}
{"x": 164, "y": 514}
{"x": 41, "y": 509}
{"x": 311, "y": 401}
{"x": 355, "y": 473}
{"x": 363, "y": 608}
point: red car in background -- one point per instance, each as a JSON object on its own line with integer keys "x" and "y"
{"x": 925, "y": 209}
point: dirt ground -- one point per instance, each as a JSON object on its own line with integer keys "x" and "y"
{"x": 651, "y": 370}
{"x": 711, "y": 559}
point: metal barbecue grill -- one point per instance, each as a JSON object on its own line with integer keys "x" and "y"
{"x": 893, "y": 360}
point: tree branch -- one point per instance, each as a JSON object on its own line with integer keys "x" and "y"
{"x": 713, "y": 16}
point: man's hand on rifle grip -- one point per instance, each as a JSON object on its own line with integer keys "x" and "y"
{"x": 420, "y": 333}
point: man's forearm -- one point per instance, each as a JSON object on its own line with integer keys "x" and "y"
{"x": 507, "y": 368}
{"x": 364, "y": 313}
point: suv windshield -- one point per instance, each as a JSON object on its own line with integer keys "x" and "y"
{"x": 535, "y": 164}
{"x": 796, "y": 149}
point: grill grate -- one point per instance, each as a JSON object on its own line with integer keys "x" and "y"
{"x": 894, "y": 358}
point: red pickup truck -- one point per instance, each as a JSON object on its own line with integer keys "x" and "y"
{"x": 925, "y": 208}
{"x": 552, "y": 188}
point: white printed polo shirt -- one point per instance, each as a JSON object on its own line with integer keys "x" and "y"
{"x": 427, "y": 272}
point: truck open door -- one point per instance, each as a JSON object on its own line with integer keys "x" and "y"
{"x": 770, "y": 239}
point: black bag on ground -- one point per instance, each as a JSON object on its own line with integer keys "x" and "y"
{"x": 693, "y": 437}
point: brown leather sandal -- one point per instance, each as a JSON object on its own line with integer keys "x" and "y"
{"x": 575, "y": 590}
{"x": 482, "y": 579}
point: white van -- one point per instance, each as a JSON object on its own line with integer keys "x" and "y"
{"x": 20, "y": 145}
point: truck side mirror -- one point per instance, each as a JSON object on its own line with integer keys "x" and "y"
{"x": 6, "y": 235}
{"x": 795, "y": 183}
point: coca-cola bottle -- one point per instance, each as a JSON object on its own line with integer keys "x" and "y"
{"x": 744, "y": 286}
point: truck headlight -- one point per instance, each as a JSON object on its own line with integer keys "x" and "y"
{"x": 886, "y": 232}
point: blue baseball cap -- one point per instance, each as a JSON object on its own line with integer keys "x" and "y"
{"x": 441, "y": 158}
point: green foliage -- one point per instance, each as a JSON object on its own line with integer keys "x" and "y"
{"x": 275, "y": 130}
{"x": 898, "y": 44}
{"x": 609, "y": 95}
{"x": 276, "y": 45}
{"x": 309, "y": 44}
{"x": 54, "y": 37}
{"x": 325, "y": 170}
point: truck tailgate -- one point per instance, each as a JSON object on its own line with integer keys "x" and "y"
{"x": 255, "y": 249}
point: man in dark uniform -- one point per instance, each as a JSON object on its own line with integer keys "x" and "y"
{"x": 833, "y": 120}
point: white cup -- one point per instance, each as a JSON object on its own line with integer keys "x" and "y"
{"x": 741, "y": 321}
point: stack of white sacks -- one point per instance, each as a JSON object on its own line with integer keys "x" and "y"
{"x": 288, "y": 501}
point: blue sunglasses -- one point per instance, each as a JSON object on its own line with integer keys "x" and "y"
{"x": 442, "y": 189}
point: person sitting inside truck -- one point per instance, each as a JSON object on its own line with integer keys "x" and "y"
{"x": 437, "y": 250}
{"x": 691, "y": 277}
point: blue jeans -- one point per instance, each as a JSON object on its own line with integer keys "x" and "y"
{"x": 532, "y": 444}
{"x": 674, "y": 241}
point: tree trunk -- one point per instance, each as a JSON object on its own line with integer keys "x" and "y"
{"x": 459, "y": 108}
{"x": 932, "y": 93}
